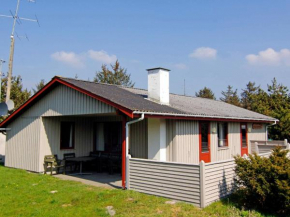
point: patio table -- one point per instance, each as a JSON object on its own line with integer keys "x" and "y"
{"x": 81, "y": 160}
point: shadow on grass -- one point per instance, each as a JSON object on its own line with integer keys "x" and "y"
{"x": 237, "y": 200}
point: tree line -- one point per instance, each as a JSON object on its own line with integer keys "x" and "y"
{"x": 274, "y": 101}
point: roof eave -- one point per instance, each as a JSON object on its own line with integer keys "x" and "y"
{"x": 53, "y": 81}
{"x": 202, "y": 117}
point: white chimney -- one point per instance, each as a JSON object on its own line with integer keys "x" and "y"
{"x": 158, "y": 85}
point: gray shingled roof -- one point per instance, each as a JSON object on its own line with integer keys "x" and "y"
{"x": 136, "y": 101}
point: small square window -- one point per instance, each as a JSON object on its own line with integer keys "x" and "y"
{"x": 67, "y": 135}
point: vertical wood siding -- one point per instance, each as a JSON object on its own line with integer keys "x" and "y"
{"x": 50, "y": 141}
{"x": 182, "y": 141}
{"x": 63, "y": 100}
{"x": 2, "y": 147}
{"x": 172, "y": 180}
{"x": 138, "y": 139}
{"x": 234, "y": 143}
{"x": 22, "y": 144}
{"x": 256, "y": 134}
{"x": 31, "y": 138}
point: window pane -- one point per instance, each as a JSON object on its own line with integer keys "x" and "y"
{"x": 100, "y": 140}
{"x": 67, "y": 135}
{"x": 244, "y": 135}
{"x": 222, "y": 131}
{"x": 204, "y": 137}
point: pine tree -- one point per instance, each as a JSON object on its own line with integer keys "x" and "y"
{"x": 231, "y": 96}
{"x": 39, "y": 86}
{"x": 279, "y": 105}
{"x": 117, "y": 75}
{"x": 248, "y": 96}
{"x": 205, "y": 93}
{"x": 18, "y": 95}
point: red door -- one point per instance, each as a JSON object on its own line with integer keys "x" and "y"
{"x": 244, "y": 139}
{"x": 204, "y": 141}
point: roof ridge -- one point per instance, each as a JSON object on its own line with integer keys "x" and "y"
{"x": 125, "y": 87}
{"x": 193, "y": 97}
{"x": 90, "y": 81}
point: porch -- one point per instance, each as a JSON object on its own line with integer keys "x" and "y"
{"x": 99, "y": 139}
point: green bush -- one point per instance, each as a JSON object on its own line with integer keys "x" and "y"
{"x": 265, "y": 182}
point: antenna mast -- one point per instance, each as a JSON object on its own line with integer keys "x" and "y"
{"x": 16, "y": 18}
{"x": 1, "y": 63}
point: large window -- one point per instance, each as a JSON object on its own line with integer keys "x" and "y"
{"x": 67, "y": 135}
{"x": 222, "y": 133}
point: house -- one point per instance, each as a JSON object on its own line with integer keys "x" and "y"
{"x": 70, "y": 115}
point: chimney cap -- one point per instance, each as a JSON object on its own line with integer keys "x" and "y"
{"x": 158, "y": 68}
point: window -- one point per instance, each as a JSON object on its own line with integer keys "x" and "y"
{"x": 244, "y": 135}
{"x": 204, "y": 128}
{"x": 222, "y": 133}
{"x": 108, "y": 137}
{"x": 67, "y": 135}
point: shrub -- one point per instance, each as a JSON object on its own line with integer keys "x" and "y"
{"x": 265, "y": 182}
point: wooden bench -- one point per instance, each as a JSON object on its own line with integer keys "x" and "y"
{"x": 50, "y": 162}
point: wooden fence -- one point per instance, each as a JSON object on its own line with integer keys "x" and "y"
{"x": 172, "y": 180}
{"x": 261, "y": 147}
{"x": 199, "y": 184}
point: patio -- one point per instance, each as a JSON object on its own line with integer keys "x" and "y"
{"x": 95, "y": 179}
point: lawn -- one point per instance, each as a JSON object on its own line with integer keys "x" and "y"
{"x": 28, "y": 194}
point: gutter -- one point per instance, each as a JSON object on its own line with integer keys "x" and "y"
{"x": 202, "y": 116}
{"x": 5, "y": 129}
{"x": 267, "y": 130}
{"x": 127, "y": 146}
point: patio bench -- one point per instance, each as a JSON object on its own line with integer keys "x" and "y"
{"x": 50, "y": 162}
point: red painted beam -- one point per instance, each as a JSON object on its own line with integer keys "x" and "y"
{"x": 58, "y": 80}
{"x": 28, "y": 102}
{"x": 102, "y": 99}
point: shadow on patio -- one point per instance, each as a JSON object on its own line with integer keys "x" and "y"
{"x": 96, "y": 179}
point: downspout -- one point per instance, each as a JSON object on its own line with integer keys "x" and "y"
{"x": 127, "y": 145}
{"x": 267, "y": 130}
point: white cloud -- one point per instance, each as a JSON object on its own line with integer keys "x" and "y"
{"x": 204, "y": 53}
{"x": 77, "y": 60}
{"x": 180, "y": 66}
{"x": 69, "y": 58}
{"x": 102, "y": 56}
{"x": 270, "y": 57}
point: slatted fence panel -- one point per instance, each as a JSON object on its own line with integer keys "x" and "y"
{"x": 177, "y": 181}
{"x": 219, "y": 180}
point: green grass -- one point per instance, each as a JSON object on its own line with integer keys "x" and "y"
{"x": 28, "y": 194}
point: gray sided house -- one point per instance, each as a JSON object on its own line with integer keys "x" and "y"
{"x": 160, "y": 135}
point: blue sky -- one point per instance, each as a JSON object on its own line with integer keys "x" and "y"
{"x": 207, "y": 43}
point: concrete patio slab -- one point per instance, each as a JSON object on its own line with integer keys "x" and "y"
{"x": 95, "y": 179}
